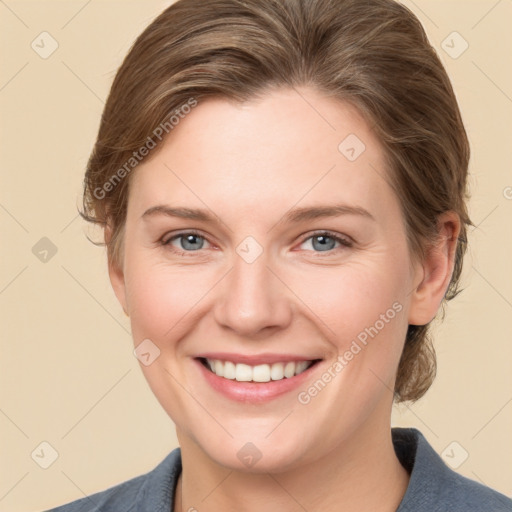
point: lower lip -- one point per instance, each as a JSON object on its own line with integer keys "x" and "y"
{"x": 254, "y": 392}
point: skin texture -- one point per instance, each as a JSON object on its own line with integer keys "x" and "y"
{"x": 250, "y": 164}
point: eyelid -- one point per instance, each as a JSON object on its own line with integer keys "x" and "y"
{"x": 343, "y": 239}
{"x": 183, "y": 233}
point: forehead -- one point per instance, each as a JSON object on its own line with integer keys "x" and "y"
{"x": 289, "y": 147}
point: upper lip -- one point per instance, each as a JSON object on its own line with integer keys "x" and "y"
{"x": 253, "y": 360}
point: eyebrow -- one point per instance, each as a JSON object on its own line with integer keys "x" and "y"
{"x": 292, "y": 216}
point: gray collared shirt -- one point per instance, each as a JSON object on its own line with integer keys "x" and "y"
{"x": 433, "y": 486}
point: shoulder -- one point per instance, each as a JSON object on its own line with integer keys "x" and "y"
{"x": 142, "y": 493}
{"x": 434, "y": 487}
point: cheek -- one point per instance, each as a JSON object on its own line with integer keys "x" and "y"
{"x": 163, "y": 304}
{"x": 160, "y": 297}
{"x": 361, "y": 310}
{"x": 350, "y": 299}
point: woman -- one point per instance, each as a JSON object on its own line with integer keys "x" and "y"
{"x": 282, "y": 185}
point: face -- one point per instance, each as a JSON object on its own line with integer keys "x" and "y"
{"x": 298, "y": 254}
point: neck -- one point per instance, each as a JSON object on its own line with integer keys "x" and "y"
{"x": 361, "y": 473}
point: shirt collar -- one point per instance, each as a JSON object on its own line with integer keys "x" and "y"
{"x": 427, "y": 472}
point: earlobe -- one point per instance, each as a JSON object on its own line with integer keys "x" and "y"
{"x": 434, "y": 274}
{"x": 116, "y": 274}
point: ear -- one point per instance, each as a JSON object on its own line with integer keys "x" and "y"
{"x": 433, "y": 275}
{"x": 116, "y": 274}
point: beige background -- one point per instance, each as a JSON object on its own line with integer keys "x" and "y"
{"x": 68, "y": 374}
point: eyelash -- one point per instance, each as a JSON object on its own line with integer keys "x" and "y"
{"x": 345, "y": 242}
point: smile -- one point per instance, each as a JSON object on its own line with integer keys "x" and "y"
{"x": 256, "y": 378}
{"x": 258, "y": 373}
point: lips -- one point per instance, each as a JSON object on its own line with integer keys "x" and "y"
{"x": 249, "y": 389}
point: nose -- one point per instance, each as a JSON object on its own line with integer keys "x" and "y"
{"x": 252, "y": 300}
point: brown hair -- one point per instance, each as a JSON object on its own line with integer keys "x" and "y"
{"x": 373, "y": 54}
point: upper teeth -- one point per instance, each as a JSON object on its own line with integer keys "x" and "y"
{"x": 259, "y": 373}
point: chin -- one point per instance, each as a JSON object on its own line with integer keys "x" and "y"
{"x": 253, "y": 460}
{"x": 255, "y": 454}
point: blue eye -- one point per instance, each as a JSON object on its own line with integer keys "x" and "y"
{"x": 325, "y": 241}
{"x": 192, "y": 241}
